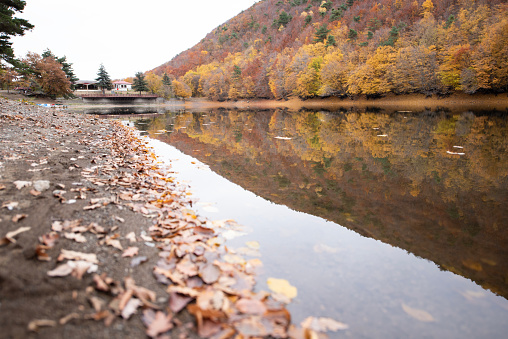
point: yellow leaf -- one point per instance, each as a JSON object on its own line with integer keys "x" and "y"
{"x": 282, "y": 286}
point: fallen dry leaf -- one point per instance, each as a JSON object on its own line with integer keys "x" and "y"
{"x": 131, "y": 308}
{"x": 20, "y": 184}
{"x": 18, "y": 217}
{"x": 10, "y": 205}
{"x": 418, "y": 314}
{"x": 68, "y": 318}
{"x": 130, "y": 252}
{"x": 114, "y": 243}
{"x": 73, "y": 255}
{"x": 177, "y": 301}
{"x": 34, "y": 325}
{"x": 210, "y": 273}
{"x": 35, "y": 193}
{"x": 162, "y": 323}
{"x": 76, "y": 237}
{"x": 250, "y": 306}
{"x": 61, "y": 271}
{"x": 132, "y": 237}
{"x": 10, "y": 236}
{"x": 282, "y": 286}
{"x": 323, "y": 324}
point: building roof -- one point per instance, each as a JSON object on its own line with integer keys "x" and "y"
{"x": 85, "y": 82}
{"x": 121, "y": 82}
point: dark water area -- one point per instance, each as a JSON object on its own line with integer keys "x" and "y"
{"x": 393, "y": 222}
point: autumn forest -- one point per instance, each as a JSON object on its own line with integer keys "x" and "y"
{"x": 321, "y": 48}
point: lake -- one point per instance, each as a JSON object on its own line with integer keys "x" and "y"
{"x": 394, "y": 223}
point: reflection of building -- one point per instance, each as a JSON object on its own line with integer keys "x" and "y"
{"x": 86, "y": 85}
{"x": 122, "y": 85}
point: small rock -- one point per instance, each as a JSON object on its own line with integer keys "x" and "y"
{"x": 41, "y": 185}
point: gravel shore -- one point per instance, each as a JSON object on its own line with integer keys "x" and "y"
{"x": 97, "y": 240}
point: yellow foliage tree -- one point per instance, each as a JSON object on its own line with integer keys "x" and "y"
{"x": 154, "y": 84}
{"x": 181, "y": 89}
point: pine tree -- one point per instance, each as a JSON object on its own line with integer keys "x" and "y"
{"x": 69, "y": 72}
{"x": 321, "y": 34}
{"x": 166, "y": 81}
{"x": 139, "y": 83}
{"x": 11, "y": 26}
{"x": 103, "y": 79}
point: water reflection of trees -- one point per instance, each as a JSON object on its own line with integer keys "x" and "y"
{"x": 384, "y": 175}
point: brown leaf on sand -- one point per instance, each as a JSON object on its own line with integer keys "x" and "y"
{"x": 178, "y": 301}
{"x": 20, "y": 184}
{"x": 34, "y": 325}
{"x": 114, "y": 243}
{"x": 35, "y": 193}
{"x": 76, "y": 237}
{"x": 418, "y": 314}
{"x": 68, "y": 318}
{"x": 49, "y": 239}
{"x": 162, "y": 323}
{"x": 100, "y": 284}
{"x": 73, "y": 255}
{"x": 131, "y": 308}
{"x": 130, "y": 252}
{"x": 18, "y": 217}
{"x": 40, "y": 251}
{"x": 60, "y": 271}
{"x": 10, "y": 236}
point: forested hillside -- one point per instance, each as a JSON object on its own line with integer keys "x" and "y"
{"x": 308, "y": 48}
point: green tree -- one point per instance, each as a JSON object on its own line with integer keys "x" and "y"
{"x": 103, "y": 79}
{"x": 166, "y": 81}
{"x": 140, "y": 83}
{"x": 11, "y": 26}
{"x": 321, "y": 34}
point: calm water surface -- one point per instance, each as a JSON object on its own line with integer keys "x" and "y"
{"x": 392, "y": 222}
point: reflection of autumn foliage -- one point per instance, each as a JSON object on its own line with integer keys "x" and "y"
{"x": 279, "y": 49}
{"x": 385, "y": 175}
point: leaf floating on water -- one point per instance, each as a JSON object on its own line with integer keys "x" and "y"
{"x": 282, "y": 286}
{"x": 418, "y": 314}
{"x": 253, "y": 244}
{"x": 323, "y": 324}
{"x": 455, "y": 153}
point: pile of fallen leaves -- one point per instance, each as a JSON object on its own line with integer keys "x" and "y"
{"x": 203, "y": 276}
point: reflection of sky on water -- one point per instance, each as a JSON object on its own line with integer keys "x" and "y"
{"x": 342, "y": 275}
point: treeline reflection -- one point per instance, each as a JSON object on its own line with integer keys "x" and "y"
{"x": 434, "y": 183}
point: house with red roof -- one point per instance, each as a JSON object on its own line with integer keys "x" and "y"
{"x": 122, "y": 85}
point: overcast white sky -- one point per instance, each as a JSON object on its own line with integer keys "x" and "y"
{"x": 126, "y": 36}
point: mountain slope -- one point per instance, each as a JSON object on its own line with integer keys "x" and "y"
{"x": 277, "y": 49}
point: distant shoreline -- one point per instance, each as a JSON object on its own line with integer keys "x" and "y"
{"x": 416, "y": 102}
